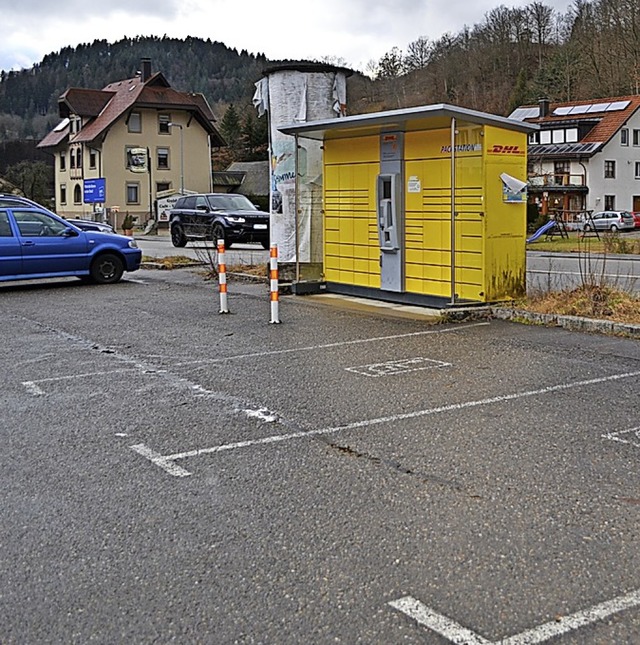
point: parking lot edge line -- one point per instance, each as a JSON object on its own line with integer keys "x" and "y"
{"x": 166, "y": 463}
{"x": 574, "y": 621}
{"x": 438, "y": 623}
{"x": 397, "y": 417}
{"x": 69, "y": 377}
{"x": 310, "y": 348}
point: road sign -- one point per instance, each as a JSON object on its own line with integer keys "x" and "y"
{"x": 94, "y": 191}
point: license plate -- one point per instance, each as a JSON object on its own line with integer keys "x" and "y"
{"x": 260, "y": 226}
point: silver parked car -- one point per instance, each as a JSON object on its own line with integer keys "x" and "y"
{"x": 609, "y": 221}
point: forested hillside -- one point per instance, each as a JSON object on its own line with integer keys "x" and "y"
{"x": 513, "y": 56}
{"x": 29, "y": 98}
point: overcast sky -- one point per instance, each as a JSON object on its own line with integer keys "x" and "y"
{"x": 356, "y": 31}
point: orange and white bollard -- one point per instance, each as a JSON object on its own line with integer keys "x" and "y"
{"x": 273, "y": 283}
{"x": 222, "y": 278}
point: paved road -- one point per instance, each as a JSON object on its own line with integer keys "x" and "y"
{"x": 545, "y": 271}
{"x": 160, "y": 246}
{"x": 174, "y": 475}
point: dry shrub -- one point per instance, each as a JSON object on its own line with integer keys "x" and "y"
{"x": 589, "y": 301}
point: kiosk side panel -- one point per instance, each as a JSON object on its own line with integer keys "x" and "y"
{"x": 351, "y": 245}
{"x": 505, "y": 257}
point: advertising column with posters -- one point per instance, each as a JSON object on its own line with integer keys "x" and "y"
{"x": 296, "y": 94}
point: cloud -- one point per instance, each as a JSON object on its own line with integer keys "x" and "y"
{"x": 356, "y": 31}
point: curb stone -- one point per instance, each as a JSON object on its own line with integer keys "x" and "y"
{"x": 572, "y": 323}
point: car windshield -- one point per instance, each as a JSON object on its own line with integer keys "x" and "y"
{"x": 230, "y": 203}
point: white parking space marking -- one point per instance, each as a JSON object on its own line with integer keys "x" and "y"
{"x": 165, "y": 463}
{"x": 460, "y": 635}
{"x": 32, "y": 388}
{"x": 437, "y": 622}
{"x": 262, "y": 414}
{"x": 393, "y": 418}
{"x": 313, "y": 348}
{"x": 631, "y": 436}
{"x": 390, "y": 368}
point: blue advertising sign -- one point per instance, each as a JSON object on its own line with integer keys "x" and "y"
{"x": 94, "y": 191}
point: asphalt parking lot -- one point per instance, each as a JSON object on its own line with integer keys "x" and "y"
{"x": 348, "y": 476}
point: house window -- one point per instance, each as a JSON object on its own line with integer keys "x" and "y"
{"x": 78, "y": 157}
{"x": 561, "y": 170}
{"x": 163, "y": 158}
{"x": 77, "y": 194}
{"x": 534, "y": 137}
{"x": 558, "y": 136}
{"x": 624, "y": 137}
{"x": 133, "y": 193}
{"x": 571, "y": 135}
{"x": 63, "y": 161}
{"x": 636, "y": 137}
{"x": 609, "y": 202}
{"x": 162, "y": 186}
{"x": 609, "y": 169}
{"x": 637, "y": 167}
{"x": 92, "y": 159}
{"x": 63, "y": 193}
{"x": 163, "y": 123}
{"x": 72, "y": 159}
{"x": 134, "y": 122}
{"x": 545, "y": 136}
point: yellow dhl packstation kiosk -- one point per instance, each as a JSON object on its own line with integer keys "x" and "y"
{"x": 424, "y": 205}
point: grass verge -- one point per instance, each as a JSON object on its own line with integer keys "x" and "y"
{"x": 588, "y": 301}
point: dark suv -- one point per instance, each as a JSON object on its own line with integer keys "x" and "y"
{"x": 216, "y": 216}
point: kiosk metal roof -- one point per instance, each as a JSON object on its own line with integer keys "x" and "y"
{"x": 426, "y": 117}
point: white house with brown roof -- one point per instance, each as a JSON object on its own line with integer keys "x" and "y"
{"x": 140, "y": 136}
{"x": 586, "y": 155}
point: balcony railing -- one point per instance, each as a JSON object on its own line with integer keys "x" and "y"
{"x": 557, "y": 179}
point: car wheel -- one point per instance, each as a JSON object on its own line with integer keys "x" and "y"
{"x": 614, "y": 228}
{"x": 107, "y": 269}
{"x": 178, "y": 237}
{"x": 218, "y": 233}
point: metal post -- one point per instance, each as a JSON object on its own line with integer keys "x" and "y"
{"x": 222, "y": 278}
{"x": 297, "y": 208}
{"x": 171, "y": 124}
{"x": 453, "y": 211}
{"x": 273, "y": 284}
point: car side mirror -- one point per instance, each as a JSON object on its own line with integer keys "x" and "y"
{"x": 69, "y": 232}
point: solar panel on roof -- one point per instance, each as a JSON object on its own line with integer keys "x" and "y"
{"x": 62, "y": 125}
{"x": 580, "y": 109}
{"x": 618, "y": 105}
{"x": 599, "y": 107}
{"x": 562, "y": 111}
{"x": 524, "y": 113}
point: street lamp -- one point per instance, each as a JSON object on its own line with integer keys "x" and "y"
{"x": 171, "y": 124}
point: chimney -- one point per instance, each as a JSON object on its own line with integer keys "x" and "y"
{"x": 544, "y": 106}
{"x": 146, "y": 69}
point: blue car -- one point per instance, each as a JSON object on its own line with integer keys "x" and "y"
{"x": 36, "y": 243}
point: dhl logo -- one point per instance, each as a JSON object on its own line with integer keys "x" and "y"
{"x": 506, "y": 150}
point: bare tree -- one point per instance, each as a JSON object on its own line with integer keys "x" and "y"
{"x": 418, "y": 54}
{"x": 541, "y": 18}
{"x": 391, "y": 65}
